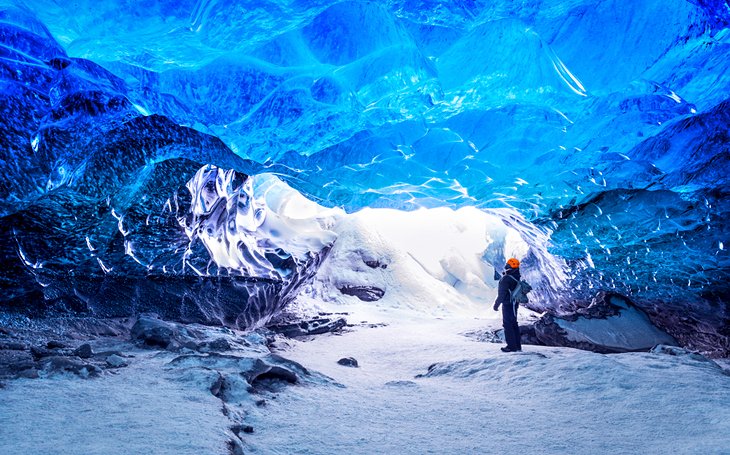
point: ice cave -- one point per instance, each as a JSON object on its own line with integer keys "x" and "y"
{"x": 205, "y": 204}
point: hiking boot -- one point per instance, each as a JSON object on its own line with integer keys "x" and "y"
{"x": 507, "y": 349}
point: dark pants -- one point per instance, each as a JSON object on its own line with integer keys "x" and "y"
{"x": 511, "y": 329}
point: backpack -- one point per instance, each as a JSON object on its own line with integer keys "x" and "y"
{"x": 519, "y": 293}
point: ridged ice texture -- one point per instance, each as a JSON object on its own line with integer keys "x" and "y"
{"x": 108, "y": 212}
{"x": 604, "y": 122}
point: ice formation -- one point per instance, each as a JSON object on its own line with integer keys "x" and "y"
{"x": 451, "y": 267}
{"x": 597, "y": 131}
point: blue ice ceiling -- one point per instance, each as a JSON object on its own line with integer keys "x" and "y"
{"x": 604, "y": 122}
{"x": 404, "y": 104}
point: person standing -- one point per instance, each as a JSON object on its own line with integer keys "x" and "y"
{"x": 507, "y": 284}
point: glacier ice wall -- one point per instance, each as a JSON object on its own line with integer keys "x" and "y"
{"x": 605, "y": 123}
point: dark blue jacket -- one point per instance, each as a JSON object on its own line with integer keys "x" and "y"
{"x": 507, "y": 285}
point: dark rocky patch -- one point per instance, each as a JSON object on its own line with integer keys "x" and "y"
{"x": 238, "y": 429}
{"x": 270, "y": 377}
{"x": 231, "y": 375}
{"x": 364, "y": 293}
{"x": 37, "y": 361}
{"x": 216, "y": 388}
{"x": 529, "y": 336}
{"x": 348, "y": 362}
{"x": 235, "y": 447}
{"x": 84, "y": 351}
{"x": 62, "y": 364}
{"x": 549, "y": 328}
{"x": 116, "y": 361}
{"x": 14, "y": 362}
{"x": 154, "y": 332}
{"x": 39, "y": 353}
{"x": 375, "y": 264}
{"x": 310, "y": 327}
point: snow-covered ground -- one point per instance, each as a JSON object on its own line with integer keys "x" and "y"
{"x": 141, "y": 408}
{"x": 422, "y": 386}
{"x": 477, "y": 399}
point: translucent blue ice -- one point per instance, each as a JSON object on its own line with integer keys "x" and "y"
{"x": 606, "y": 123}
